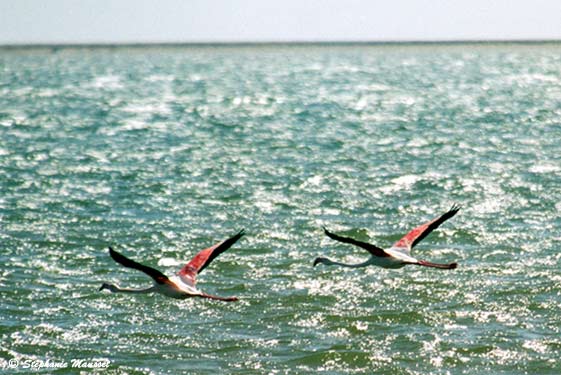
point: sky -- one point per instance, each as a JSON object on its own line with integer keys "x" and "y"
{"x": 151, "y": 21}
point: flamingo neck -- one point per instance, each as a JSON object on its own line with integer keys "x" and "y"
{"x": 116, "y": 289}
{"x": 329, "y": 262}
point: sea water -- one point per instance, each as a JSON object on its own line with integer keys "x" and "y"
{"x": 161, "y": 152}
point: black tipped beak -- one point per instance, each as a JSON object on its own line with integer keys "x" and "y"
{"x": 101, "y": 287}
{"x": 316, "y": 262}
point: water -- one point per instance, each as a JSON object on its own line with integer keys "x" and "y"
{"x": 162, "y": 152}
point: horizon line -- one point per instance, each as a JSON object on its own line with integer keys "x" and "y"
{"x": 147, "y": 44}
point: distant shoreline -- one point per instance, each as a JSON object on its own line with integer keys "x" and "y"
{"x": 103, "y": 45}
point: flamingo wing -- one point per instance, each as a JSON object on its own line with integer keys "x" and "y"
{"x": 189, "y": 272}
{"x": 372, "y": 249}
{"x": 158, "y": 277}
{"x": 417, "y": 234}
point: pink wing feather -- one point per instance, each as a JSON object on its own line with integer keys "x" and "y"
{"x": 190, "y": 271}
{"x": 417, "y": 234}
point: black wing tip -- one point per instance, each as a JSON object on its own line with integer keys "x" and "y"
{"x": 455, "y": 207}
{"x": 113, "y": 253}
{"x": 238, "y": 235}
{"x": 119, "y": 258}
{"x": 332, "y": 235}
{"x": 453, "y": 210}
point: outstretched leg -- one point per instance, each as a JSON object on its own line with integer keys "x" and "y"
{"x": 449, "y": 266}
{"x": 225, "y": 299}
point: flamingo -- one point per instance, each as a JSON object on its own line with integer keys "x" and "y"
{"x": 399, "y": 255}
{"x": 179, "y": 286}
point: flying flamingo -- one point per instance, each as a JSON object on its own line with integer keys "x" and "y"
{"x": 399, "y": 255}
{"x": 182, "y": 285}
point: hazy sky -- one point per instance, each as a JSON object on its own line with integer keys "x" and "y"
{"x": 106, "y": 21}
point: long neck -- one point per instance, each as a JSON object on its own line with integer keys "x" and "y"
{"x": 329, "y": 262}
{"x": 117, "y": 289}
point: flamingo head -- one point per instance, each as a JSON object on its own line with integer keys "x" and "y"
{"x": 322, "y": 260}
{"x": 109, "y": 287}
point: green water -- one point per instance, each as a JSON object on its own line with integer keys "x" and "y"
{"x": 162, "y": 152}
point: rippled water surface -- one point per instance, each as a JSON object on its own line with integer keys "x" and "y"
{"x": 162, "y": 152}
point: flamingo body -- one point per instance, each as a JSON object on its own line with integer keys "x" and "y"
{"x": 399, "y": 255}
{"x": 182, "y": 285}
{"x": 397, "y": 259}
